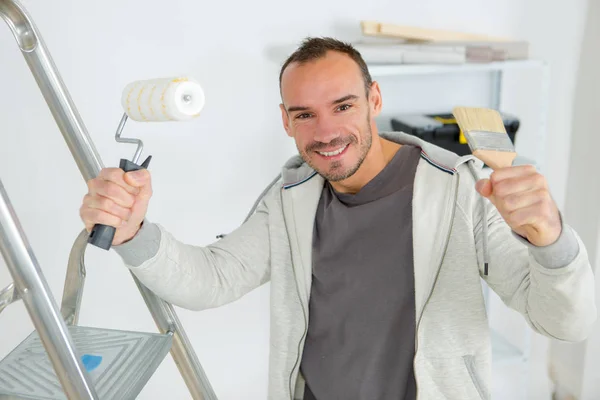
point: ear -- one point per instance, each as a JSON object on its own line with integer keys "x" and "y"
{"x": 375, "y": 100}
{"x": 285, "y": 119}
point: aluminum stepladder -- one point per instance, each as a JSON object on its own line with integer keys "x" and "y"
{"x": 51, "y": 363}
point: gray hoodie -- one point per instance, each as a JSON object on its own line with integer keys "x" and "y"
{"x": 455, "y": 233}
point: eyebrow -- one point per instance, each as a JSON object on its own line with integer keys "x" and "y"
{"x": 340, "y": 100}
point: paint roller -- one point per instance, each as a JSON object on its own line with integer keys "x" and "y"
{"x": 154, "y": 100}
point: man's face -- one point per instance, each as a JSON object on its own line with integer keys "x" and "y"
{"x": 327, "y": 112}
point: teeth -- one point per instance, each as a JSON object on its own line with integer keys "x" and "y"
{"x": 332, "y": 153}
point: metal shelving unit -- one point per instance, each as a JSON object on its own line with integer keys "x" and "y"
{"x": 496, "y": 71}
{"x": 412, "y": 69}
{"x": 503, "y": 351}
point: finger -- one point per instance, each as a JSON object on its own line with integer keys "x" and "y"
{"x": 501, "y": 174}
{"x": 93, "y": 216}
{"x": 532, "y": 215}
{"x": 107, "y": 205}
{"x": 521, "y": 200}
{"x": 145, "y": 193}
{"x": 143, "y": 181}
{"x": 116, "y": 175}
{"x": 506, "y": 187}
{"x": 137, "y": 178}
{"x": 484, "y": 187}
{"x": 112, "y": 191}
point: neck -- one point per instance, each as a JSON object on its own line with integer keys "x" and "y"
{"x": 379, "y": 155}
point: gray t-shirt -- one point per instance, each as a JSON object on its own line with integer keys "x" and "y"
{"x": 361, "y": 332}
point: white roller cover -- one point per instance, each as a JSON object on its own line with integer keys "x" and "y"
{"x": 167, "y": 99}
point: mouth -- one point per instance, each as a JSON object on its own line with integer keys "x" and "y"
{"x": 333, "y": 154}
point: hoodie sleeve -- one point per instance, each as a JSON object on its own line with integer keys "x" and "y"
{"x": 552, "y": 287}
{"x": 201, "y": 277}
{"x": 558, "y": 254}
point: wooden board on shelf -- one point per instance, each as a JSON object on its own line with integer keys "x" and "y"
{"x": 414, "y": 33}
{"x": 506, "y": 48}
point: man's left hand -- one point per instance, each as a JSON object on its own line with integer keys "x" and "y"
{"x": 522, "y": 198}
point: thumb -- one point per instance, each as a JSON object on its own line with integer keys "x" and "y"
{"x": 484, "y": 187}
{"x": 137, "y": 178}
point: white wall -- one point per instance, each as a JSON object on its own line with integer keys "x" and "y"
{"x": 574, "y": 365}
{"x": 207, "y": 172}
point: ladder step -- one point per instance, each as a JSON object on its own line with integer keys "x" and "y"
{"x": 119, "y": 363}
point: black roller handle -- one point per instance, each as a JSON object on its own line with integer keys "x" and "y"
{"x": 102, "y": 235}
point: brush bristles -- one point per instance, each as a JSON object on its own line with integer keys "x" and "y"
{"x": 479, "y": 119}
{"x": 483, "y": 128}
{"x": 486, "y": 135}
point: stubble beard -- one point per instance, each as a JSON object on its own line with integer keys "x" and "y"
{"x": 336, "y": 170}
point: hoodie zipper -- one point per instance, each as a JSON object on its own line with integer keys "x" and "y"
{"x": 436, "y": 275}
{"x": 291, "y": 387}
{"x": 422, "y": 312}
{"x": 299, "y": 343}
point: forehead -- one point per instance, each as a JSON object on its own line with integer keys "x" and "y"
{"x": 322, "y": 80}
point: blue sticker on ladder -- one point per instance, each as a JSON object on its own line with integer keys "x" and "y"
{"x": 91, "y": 362}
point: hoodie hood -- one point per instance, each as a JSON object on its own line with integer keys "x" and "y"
{"x": 296, "y": 170}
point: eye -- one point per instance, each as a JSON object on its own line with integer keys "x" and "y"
{"x": 344, "y": 107}
{"x": 302, "y": 116}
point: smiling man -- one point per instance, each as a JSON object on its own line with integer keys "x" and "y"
{"x": 375, "y": 244}
{"x": 334, "y": 135}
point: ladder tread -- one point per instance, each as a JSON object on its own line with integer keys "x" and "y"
{"x": 119, "y": 363}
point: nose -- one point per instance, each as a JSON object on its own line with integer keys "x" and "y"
{"x": 326, "y": 131}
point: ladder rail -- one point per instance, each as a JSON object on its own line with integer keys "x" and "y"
{"x": 8, "y": 295}
{"x": 53, "y": 89}
{"x": 31, "y": 284}
{"x": 89, "y": 163}
{"x": 74, "y": 281}
{"x": 187, "y": 362}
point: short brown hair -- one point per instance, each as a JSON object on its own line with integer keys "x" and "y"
{"x": 313, "y": 48}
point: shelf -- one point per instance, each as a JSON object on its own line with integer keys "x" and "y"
{"x": 278, "y": 53}
{"x": 378, "y": 70}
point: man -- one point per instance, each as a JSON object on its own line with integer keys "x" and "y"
{"x": 374, "y": 243}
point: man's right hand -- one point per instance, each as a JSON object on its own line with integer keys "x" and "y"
{"x": 119, "y": 199}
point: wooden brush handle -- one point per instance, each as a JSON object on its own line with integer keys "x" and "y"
{"x": 495, "y": 159}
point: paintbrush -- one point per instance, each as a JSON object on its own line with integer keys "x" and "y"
{"x": 486, "y": 135}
